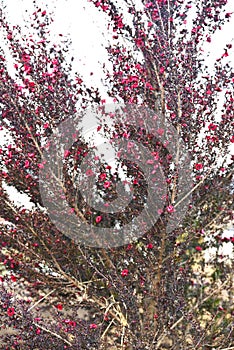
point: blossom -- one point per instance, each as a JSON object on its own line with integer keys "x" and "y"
{"x": 89, "y": 172}
{"x": 66, "y": 153}
{"x": 102, "y": 176}
{"x": 10, "y": 311}
{"x": 93, "y": 326}
{"x": 160, "y": 131}
{"x": 149, "y": 86}
{"x": 26, "y": 164}
{"x": 198, "y": 248}
{"x": 148, "y": 5}
{"x": 59, "y": 307}
{"x": 198, "y": 166}
{"x": 124, "y": 272}
{"x": 13, "y": 278}
{"x": 170, "y": 208}
{"x": 150, "y": 246}
{"x": 212, "y": 126}
{"x": 107, "y": 184}
{"x": 98, "y": 219}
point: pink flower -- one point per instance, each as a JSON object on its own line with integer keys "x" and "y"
{"x": 198, "y": 166}
{"x": 26, "y": 164}
{"x": 170, "y": 208}
{"x": 150, "y": 246}
{"x": 212, "y": 126}
{"x": 148, "y": 5}
{"x": 89, "y": 172}
{"x": 198, "y": 248}
{"x": 124, "y": 272}
{"x": 10, "y": 311}
{"x": 160, "y": 132}
{"x": 149, "y": 86}
{"x": 27, "y": 69}
{"x": 98, "y": 219}
{"x": 102, "y": 176}
{"x": 40, "y": 166}
{"x": 107, "y": 184}
{"x": 13, "y": 278}
{"x": 46, "y": 126}
{"x": 66, "y": 153}
{"x": 59, "y": 307}
{"x": 93, "y": 326}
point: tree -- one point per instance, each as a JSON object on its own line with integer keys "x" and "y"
{"x": 143, "y": 295}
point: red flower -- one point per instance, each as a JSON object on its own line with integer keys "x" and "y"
{"x": 150, "y": 246}
{"x": 107, "y": 184}
{"x": 149, "y": 86}
{"x": 170, "y": 208}
{"x": 66, "y": 153}
{"x": 26, "y": 164}
{"x": 89, "y": 172}
{"x": 124, "y": 272}
{"x": 232, "y": 139}
{"x": 212, "y": 126}
{"x": 98, "y": 219}
{"x": 59, "y": 307}
{"x": 198, "y": 166}
{"x": 13, "y": 278}
{"x": 198, "y": 248}
{"x": 102, "y": 177}
{"x": 10, "y": 311}
{"x": 93, "y": 326}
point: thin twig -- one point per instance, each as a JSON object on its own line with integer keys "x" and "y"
{"x": 40, "y": 300}
{"x": 53, "y": 333}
